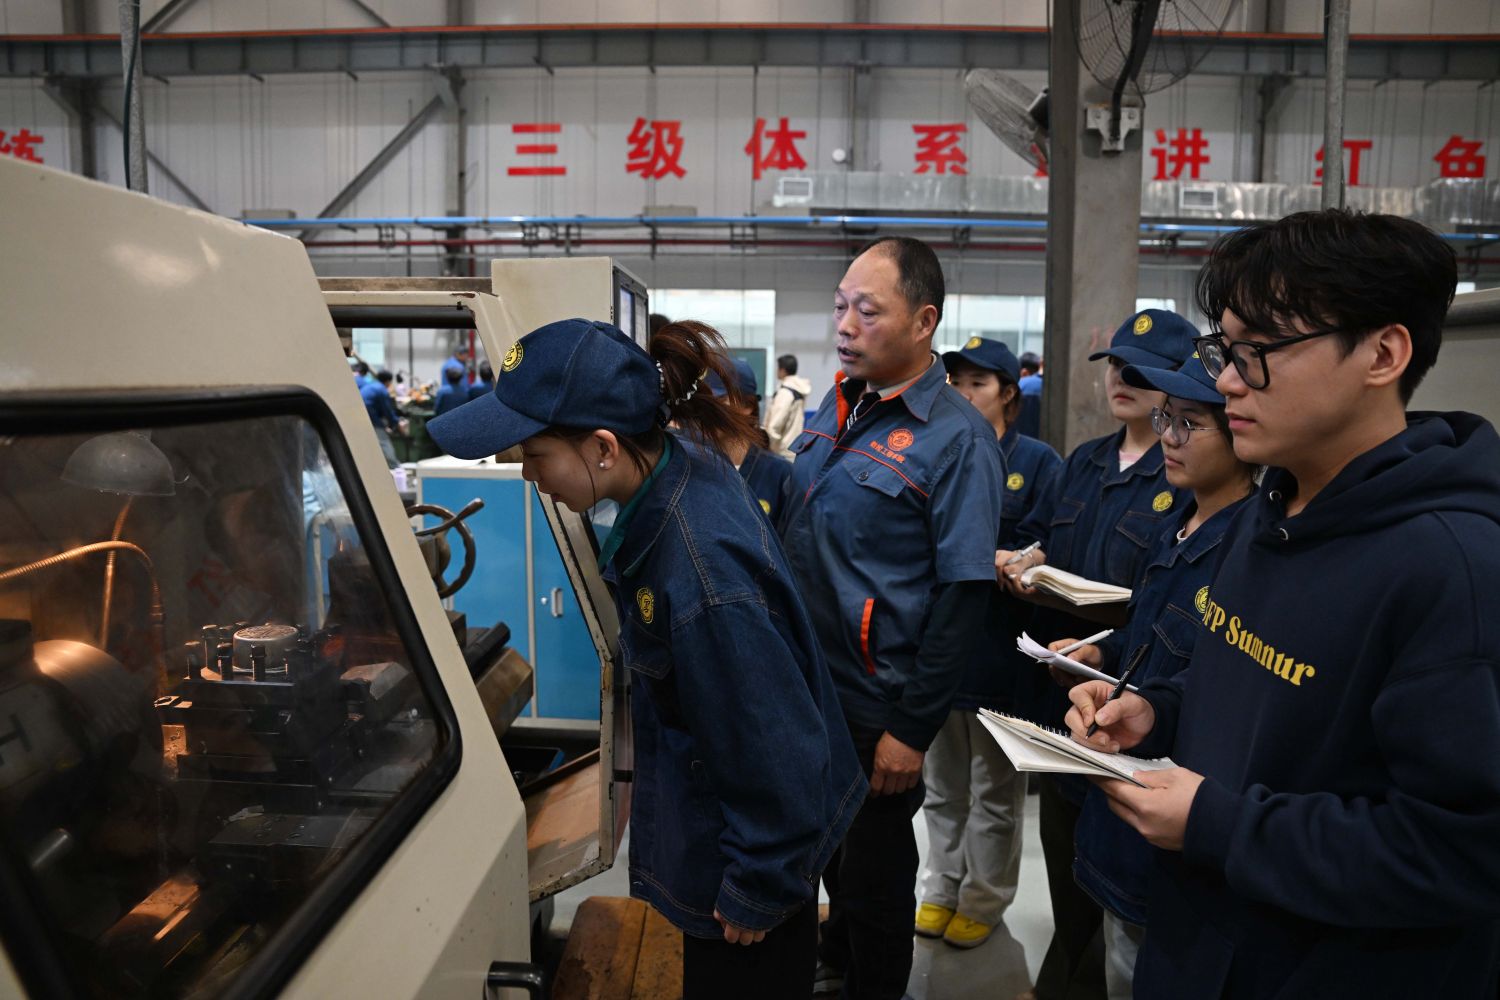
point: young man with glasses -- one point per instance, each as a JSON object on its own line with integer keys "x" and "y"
{"x": 1334, "y": 826}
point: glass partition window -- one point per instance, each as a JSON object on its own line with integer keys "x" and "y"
{"x": 209, "y": 706}
{"x": 745, "y": 317}
{"x": 1017, "y": 321}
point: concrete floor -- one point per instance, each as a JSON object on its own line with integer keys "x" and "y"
{"x": 1002, "y": 967}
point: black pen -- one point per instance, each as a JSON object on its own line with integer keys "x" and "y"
{"x": 1135, "y": 661}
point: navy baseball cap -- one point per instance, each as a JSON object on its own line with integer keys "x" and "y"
{"x": 991, "y": 355}
{"x": 574, "y": 373}
{"x": 1191, "y": 381}
{"x": 744, "y": 380}
{"x": 1153, "y": 338}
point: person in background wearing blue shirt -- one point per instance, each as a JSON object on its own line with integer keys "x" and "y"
{"x": 486, "y": 383}
{"x": 1098, "y": 519}
{"x": 745, "y": 777}
{"x": 764, "y": 473}
{"x": 1029, "y": 421}
{"x": 1113, "y": 864}
{"x": 361, "y": 375}
{"x": 1333, "y": 826}
{"x": 890, "y": 528}
{"x": 377, "y": 398}
{"x": 451, "y": 393}
{"x": 975, "y": 799}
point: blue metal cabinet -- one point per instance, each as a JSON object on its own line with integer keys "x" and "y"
{"x": 519, "y": 578}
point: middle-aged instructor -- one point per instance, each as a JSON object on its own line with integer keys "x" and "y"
{"x": 890, "y": 530}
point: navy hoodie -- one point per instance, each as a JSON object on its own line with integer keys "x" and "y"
{"x": 1344, "y": 706}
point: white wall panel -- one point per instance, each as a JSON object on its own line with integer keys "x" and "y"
{"x": 1366, "y": 16}
{"x": 24, "y": 106}
{"x": 28, "y": 17}
{"x": 506, "y": 11}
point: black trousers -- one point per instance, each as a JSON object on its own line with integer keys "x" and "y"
{"x": 871, "y": 883}
{"x": 780, "y": 965}
{"x": 1073, "y": 968}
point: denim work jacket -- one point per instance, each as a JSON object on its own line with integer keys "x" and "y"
{"x": 745, "y": 776}
{"x": 1112, "y": 862}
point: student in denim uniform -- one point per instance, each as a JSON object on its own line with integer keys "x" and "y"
{"x": 451, "y": 394}
{"x": 1099, "y": 519}
{"x": 745, "y": 775}
{"x": 764, "y": 472}
{"x": 890, "y": 530}
{"x": 1333, "y": 826}
{"x": 1113, "y": 863}
{"x": 485, "y": 383}
{"x": 975, "y": 799}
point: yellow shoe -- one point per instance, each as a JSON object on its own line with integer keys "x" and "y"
{"x": 965, "y": 933}
{"x": 932, "y": 920}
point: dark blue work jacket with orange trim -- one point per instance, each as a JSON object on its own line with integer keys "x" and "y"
{"x": 1112, "y": 862}
{"x": 766, "y": 475}
{"x": 745, "y": 776}
{"x": 880, "y": 517}
{"x": 990, "y": 681}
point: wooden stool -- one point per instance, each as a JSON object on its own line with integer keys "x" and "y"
{"x": 620, "y": 949}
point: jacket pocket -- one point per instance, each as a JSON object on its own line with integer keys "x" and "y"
{"x": 1062, "y": 532}
{"x": 1127, "y": 546}
{"x": 1178, "y": 632}
{"x": 872, "y": 475}
{"x": 644, "y": 652}
{"x": 866, "y": 620}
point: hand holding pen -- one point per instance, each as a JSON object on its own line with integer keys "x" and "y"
{"x": 1119, "y": 688}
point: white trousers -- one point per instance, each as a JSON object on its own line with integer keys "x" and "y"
{"x": 1122, "y": 942}
{"x": 974, "y": 808}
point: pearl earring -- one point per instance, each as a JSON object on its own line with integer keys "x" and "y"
{"x": 601, "y": 465}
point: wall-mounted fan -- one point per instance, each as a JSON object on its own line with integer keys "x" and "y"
{"x": 1013, "y": 111}
{"x": 1143, "y": 46}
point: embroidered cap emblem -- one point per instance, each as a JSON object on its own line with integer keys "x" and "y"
{"x": 765, "y": 505}
{"x": 899, "y": 439}
{"x": 1015, "y": 481}
{"x": 513, "y": 357}
{"x": 1142, "y": 324}
{"x": 973, "y": 343}
{"x": 1162, "y": 502}
{"x": 646, "y": 602}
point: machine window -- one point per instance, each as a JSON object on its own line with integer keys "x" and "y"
{"x": 215, "y": 715}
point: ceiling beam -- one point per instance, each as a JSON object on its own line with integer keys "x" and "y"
{"x": 1447, "y": 57}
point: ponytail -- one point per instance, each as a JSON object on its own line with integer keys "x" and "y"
{"x": 685, "y": 353}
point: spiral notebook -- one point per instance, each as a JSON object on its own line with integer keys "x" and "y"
{"x": 1031, "y": 747}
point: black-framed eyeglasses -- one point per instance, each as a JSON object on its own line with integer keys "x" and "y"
{"x": 1248, "y": 357}
{"x": 1175, "y": 428}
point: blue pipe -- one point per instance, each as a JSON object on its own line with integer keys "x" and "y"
{"x": 770, "y": 221}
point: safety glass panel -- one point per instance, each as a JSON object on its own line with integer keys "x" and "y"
{"x": 209, "y": 707}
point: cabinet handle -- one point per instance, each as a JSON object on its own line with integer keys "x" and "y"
{"x": 520, "y": 975}
{"x": 557, "y": 602}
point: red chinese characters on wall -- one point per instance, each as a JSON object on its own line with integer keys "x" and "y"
{"x": 536, "y": 149}
{"x": 775, "y": 149}
{"x": 21, "y": 144}
{"x": 1460, "y": 157}
{"x": 938, "y": 150}
{"x": 1356, "y": 148}
{"x": 655, "y": 149}
{"x": 1187, "y": 150}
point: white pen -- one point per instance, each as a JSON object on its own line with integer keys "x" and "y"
{"x": 1084, "y": 642}
{"x": 1024, "y": 552}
